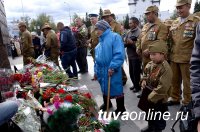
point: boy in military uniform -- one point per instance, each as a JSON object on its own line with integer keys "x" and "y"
{"x": 158, "y": 76}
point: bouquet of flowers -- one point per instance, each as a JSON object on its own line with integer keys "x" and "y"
{"x": 6, "y": 84}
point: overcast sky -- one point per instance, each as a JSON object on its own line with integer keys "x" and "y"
{"x": 60, "y": 10}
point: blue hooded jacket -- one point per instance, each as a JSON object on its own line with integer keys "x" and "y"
{"x": 109, "y": 54}
{"x": 67, "y": 40}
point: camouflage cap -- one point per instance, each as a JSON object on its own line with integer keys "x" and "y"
{"x": 158, "y": 46}
{"x": 21, "y": 24}
{"x": 151, "y": 9}
{"x": 183, "y": 2}
{"x": 106, "y": 12}
{"x": 46, "y": 26}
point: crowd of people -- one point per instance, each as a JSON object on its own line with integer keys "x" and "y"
{"x": 159, "y": 57}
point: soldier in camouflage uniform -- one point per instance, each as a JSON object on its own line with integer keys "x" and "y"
{"x": 116, "y": 27}
{"x": 51, "y": 44}
{"x": 183, "y": 34}
{"x": 158, "y": 76}
{"x": 93, "y": 37}
{"x": 81, "y": 41}
{"x": 153, "y": 30}
{"x": 27, "y": 46}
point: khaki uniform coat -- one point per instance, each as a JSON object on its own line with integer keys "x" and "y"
{"x": 27, "y": 47}
{"x": 149, "y": 33}
{"x": 52, "y": 45}
{"x": 158, "y": 76}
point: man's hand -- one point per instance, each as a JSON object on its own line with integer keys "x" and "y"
{"x": 138, "y": 52}
{"x": 143, "y": 84}
{"x": 129, "y": 41}
{"x": 146, "y": 53}
{"x": 110, "y": 72}
{"x": 198, "y": 126}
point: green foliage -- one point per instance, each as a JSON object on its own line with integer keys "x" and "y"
{"x": 126, "y": 22}
{"x": 197, "y": 7}
{"x": 37, "y": 24}
{"x": 64, "y": 119}
{"x": 114, "y": 126}
{"x": 87, "y": 20}
{"x": 100, "y": 13}
{"x": 73, "y": 18}
{"x": 174, "y": 16}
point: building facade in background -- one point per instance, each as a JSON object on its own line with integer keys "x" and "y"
{"x": 138, "y": 7}
{"x": 3, "y": 24}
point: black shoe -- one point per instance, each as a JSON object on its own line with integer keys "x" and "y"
{"x": 171, "y": 103}
{"x": 120, "y": 111}
{"x": 136, "y": 90}
{"x": 124, "y": 83}
{"x": 139, "y": 96}
{"x": 83, "y": 72}
{"x": 120, "y": 105}
{"x": 103, "y": 107}
{"x": 131, "y": 88}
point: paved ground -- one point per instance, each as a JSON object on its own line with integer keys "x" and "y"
{"x": 131, "y": 100}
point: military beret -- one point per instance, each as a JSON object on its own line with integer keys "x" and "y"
{"x": 93, "y": 15}
{"x": 183, "y": 2}
{"x": 21, "y": 24}
{"x": 151, "y": 9}
{"x": 158, "y": 46}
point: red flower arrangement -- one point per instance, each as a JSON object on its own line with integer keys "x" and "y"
{"x": 69, "y": 98}
{"x": 87, "y": 95}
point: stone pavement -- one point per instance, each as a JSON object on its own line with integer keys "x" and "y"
{"x": 131, "y": 100}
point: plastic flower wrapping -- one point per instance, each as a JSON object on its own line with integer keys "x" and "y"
{"x": 47, "y": 103}
{"x": 6, "y": 84}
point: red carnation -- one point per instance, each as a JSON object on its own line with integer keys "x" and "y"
{"x": 88, "y": 95}
{"x": 53, "y": 90}
{"x": 69, "y": 98}
{"x": 61, "y": 91}
{"x": 17, "y": 77}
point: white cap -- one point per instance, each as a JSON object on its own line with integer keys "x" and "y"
{"x": 34, "y": 33}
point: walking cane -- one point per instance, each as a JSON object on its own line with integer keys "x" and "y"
{"x": 108, "y": 97}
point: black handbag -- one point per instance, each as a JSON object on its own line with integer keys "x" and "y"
{"x": 143, "y": 103}
{"x": 189, "y": 124}
{"x": 10, "y": 126}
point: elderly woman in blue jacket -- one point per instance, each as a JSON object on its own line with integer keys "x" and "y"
{"x": 109, "y": 57}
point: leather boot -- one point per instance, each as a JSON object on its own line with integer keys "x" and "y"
{"x": 120, "y": 105}
{"x": 104, "y": 105}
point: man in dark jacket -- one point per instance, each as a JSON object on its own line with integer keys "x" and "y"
{"x": 133, "y": 58}
{"x": 68, "y": 50}
{"x": 195, "y": 76}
